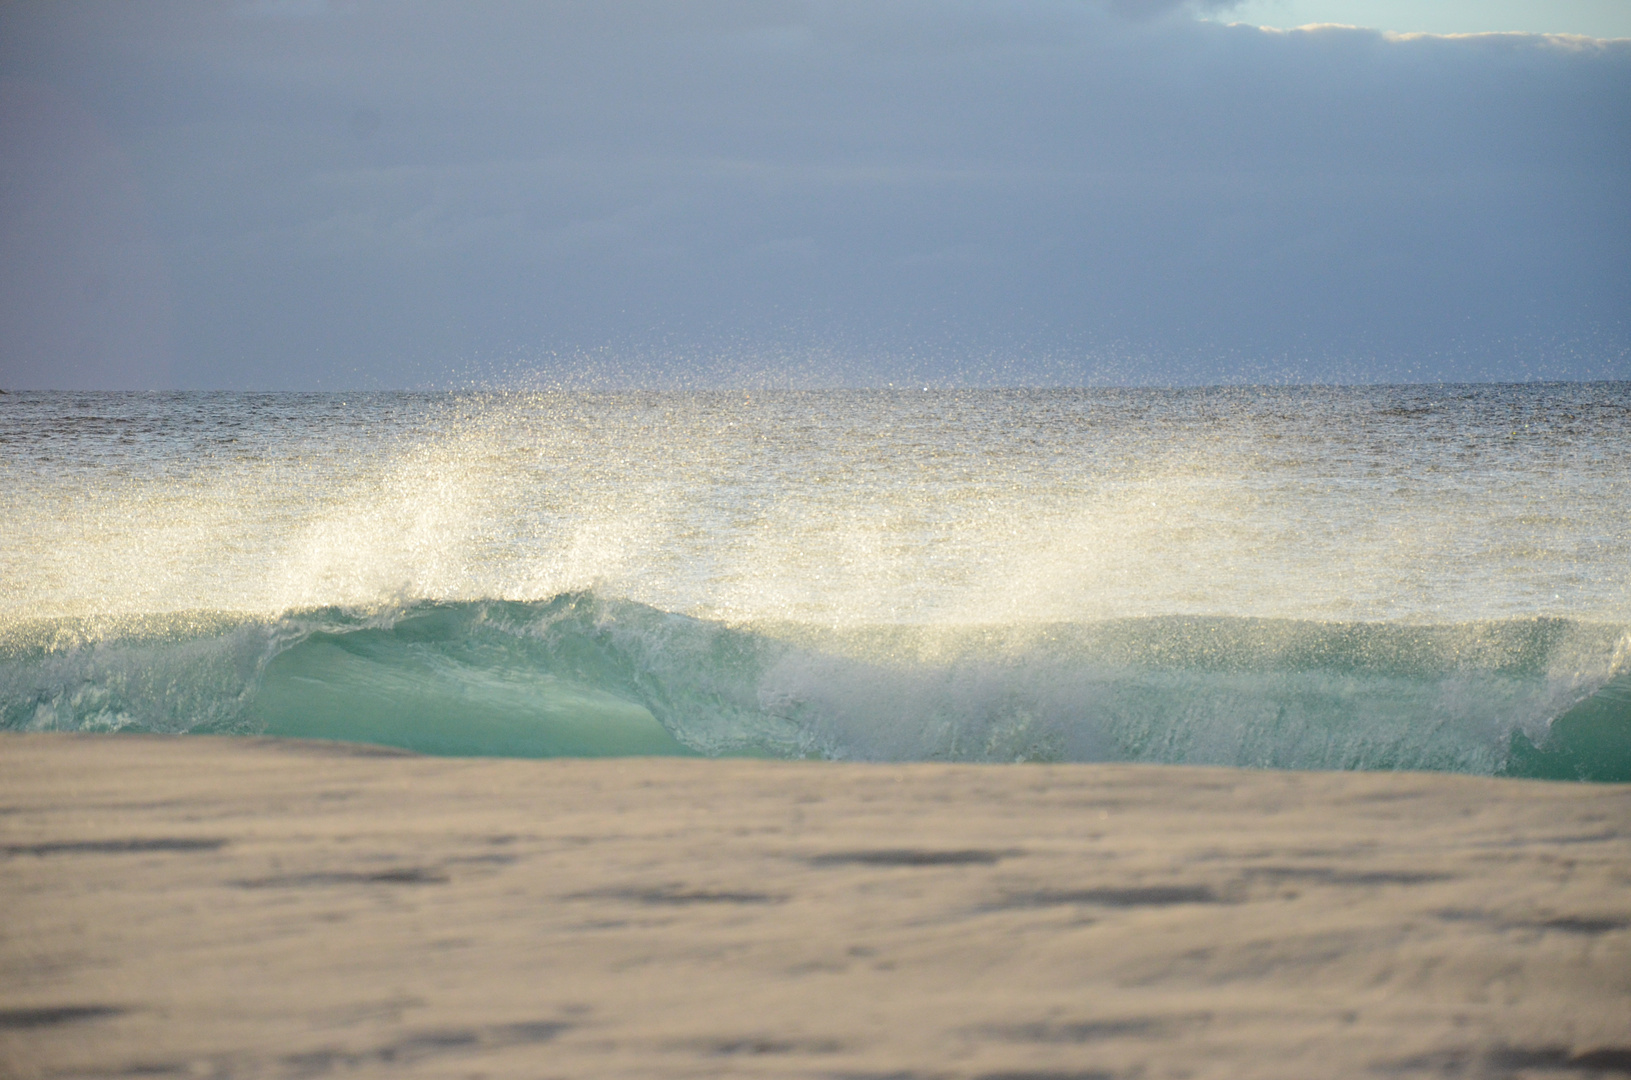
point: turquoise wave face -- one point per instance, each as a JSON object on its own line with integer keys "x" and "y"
{"x": 442, "y": 697}
{"x": 584, "y": 675}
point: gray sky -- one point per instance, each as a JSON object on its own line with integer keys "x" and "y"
{"x": 309, "y": 194}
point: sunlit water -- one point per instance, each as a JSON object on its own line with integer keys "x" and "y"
{"x": 1412, "y": 577}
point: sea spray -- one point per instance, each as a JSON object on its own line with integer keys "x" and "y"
{"x": 1359, "y": 577}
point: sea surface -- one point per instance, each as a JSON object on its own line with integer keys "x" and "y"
{"x": 1416, "y": 577}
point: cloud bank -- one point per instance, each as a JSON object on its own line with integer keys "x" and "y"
{"x": 291, "y": 193}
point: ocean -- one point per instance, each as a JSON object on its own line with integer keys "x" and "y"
{"x": 1406, "y": 577}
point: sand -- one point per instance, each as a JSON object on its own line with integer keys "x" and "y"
{"x": 261, "y": 908}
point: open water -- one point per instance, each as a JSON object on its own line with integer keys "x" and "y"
{"x": 1423, "y": 577}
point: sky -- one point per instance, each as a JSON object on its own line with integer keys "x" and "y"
{"x": 1592, "y": 18}
{"x": 337, "y": 194}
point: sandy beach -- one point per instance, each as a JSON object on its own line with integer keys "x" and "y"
{"x": 259, "y": 908}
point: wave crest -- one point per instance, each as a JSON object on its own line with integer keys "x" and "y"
{"x": 584, "y": 674}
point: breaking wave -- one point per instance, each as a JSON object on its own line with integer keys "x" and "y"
{"x": 584, "y": 674}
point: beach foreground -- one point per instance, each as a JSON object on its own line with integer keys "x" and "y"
{"x": 248, "y": 907}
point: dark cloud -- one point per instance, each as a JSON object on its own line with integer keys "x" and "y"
{"x": 352, "y": 192}
{"x": 84, "y": 288}
{"x": 1150, "y": 9}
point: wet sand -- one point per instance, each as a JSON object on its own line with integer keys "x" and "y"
{"x": 256, "y": 908}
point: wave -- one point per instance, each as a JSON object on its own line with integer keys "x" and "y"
{"x": 588, "y": 675}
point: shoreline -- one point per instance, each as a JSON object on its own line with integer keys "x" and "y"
{"x": 241, "y": 906}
